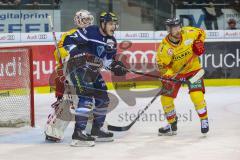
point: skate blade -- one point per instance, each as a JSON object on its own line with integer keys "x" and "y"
{"x": 173, "y": 133}
{"x": 110, "y": 139}
{"x": 204, "y": 134}
{"x": 52, "y": 139}
{"x": 78, "y": 143}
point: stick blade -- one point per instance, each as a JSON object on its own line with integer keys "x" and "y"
{"x": 50, "y": 21}
{"x": 197, "y": 76}
{"x": 117, "y": 128}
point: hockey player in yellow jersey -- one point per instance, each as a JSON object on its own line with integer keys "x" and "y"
{"x": 176, "y": 49}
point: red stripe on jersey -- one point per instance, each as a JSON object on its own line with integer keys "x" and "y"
{"x": 203, "y": 114}
{"x": 171, "y": 117}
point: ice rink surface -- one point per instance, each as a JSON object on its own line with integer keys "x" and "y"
{"x": 141, "y": 141}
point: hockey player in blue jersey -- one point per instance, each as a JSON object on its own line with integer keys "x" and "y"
{"x": 57, "y": 120}
{"x": 90, "y": 49}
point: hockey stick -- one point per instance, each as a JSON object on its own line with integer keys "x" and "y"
{"x": 125, "y": 128}
{"x": 54, "y": 37}
{"x": 193, "y": 79}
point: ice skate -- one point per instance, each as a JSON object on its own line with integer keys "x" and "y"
{"x": 168, "y": 130}
{"x": 204, "y": 126}
{"x": 80, "y": 139}
{"x": 101, "y": 135}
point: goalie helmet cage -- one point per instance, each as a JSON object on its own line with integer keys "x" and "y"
{"x": 16, "y": 87}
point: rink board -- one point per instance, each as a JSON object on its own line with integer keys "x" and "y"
{"x": 221, "y": 63}
{"x": 151, "y": 84}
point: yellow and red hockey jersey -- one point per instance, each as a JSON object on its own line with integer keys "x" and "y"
{"x": 170, "y": 58}
{"x": 63, "y": 53}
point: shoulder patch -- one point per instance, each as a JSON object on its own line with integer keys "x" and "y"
{"x": 84, "y": 30}
{"x": 188, "y": 41}
{"x": 110, "y": 43}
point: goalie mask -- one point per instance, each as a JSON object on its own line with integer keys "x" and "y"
{"x": 83, "y": 18}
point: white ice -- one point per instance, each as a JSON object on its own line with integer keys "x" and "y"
{"x": 141, "y": 141}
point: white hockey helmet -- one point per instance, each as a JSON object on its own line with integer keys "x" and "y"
{"x": 83, "y": 18}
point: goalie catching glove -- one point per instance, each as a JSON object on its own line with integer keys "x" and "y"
{"x": 118, "y": 68}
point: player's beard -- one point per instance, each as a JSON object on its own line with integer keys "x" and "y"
{"x": 175, "y": 38}
{"x": 110, "y": 31}
{"x": 176, "y": 35}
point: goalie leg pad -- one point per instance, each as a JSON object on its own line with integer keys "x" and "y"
{"x": 55, "y": 131}
{"x": 58, "y": 120}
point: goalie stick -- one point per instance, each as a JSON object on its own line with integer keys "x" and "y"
{"x": 125, "y": 128}
{"x": 54, "y": 37}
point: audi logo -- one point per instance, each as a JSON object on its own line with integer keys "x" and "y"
{"x": 10, "y": 37}
{"x": 144, "y": 61}
{"x": 42, "y": 36}
{"x": 213, "y": 34}
{"x": 143, "y": 35}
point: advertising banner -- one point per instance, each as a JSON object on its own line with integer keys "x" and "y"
{"x": 14, "y": 68}
{"x": 144, "y": 36}
{"x": 28, "y": 20}
{"x": 221, "y": 60}
{"x": 197, "y": 17}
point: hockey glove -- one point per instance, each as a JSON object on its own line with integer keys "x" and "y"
{"x": 59, "y": 82}
{"x": 198, "y": 47}
{"x": 93, "y": 61}
{"x": 118, "y": 68}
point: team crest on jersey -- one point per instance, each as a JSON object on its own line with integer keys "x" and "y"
{"x": 188, "y": 42}
{"x": 100, "y": 50}
{"x": 170, "y": 51}
{"x": 110, "y": 43}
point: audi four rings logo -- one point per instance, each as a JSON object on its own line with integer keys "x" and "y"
{"x": 213, "y": 34}
{"x": 143, "y": 34}
{"x": 42, "y": 36}
{"x": 140, "y": 60}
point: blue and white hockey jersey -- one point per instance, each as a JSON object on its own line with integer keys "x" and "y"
{"x": 89, "y": 40}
